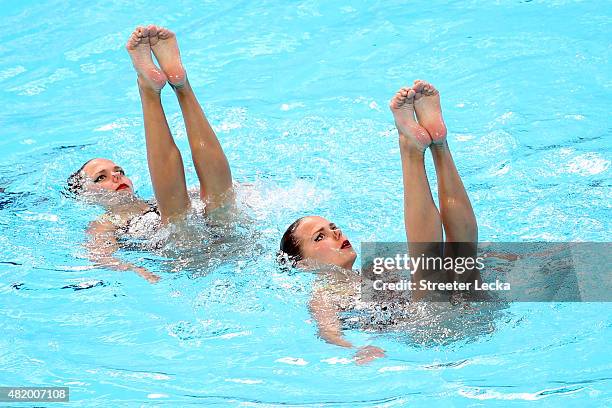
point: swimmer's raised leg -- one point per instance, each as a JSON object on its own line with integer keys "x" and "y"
{"x": 163, "y": 157}
{"x": 455, "y": 208}
{"x": 421, "y": 216}
{"x": 209, "y": 159}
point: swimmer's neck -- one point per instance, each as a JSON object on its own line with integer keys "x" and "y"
{"x": 128, "y": 210}
{"x": 336, "y": 272}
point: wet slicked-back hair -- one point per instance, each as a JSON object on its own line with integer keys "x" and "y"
{"x": 290, "y": 252}
{"x": 76, "y": 181}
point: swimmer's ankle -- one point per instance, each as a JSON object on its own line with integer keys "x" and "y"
{"x": 147, "y": 89}
{"x": 439, "y": 146}
{"x": 409, "y": 147}
{"x": 180, "y": 87}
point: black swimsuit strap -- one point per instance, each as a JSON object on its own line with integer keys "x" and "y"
{"x": 152, "y": 208}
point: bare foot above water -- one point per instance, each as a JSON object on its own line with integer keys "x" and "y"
{"x": 402, "y": 107}
{"x": 166, "y": 51}
{"x": 149, "y": 75}
{"x": 428, "y": 110}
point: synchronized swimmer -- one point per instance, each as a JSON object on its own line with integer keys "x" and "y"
{"x": 311, "y": 242}
{"x": 107, "y": 183}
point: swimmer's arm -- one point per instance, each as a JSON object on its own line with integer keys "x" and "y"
{"x": 103, "y": 244}
{"x": 325, "y": 314}
{"x": 540, "y": 254}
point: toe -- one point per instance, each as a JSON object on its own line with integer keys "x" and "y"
{"x": 153, "y": 34}
{"x": 152, "y": 30}
{"x": 132, "y": 42}
{"x": 430, "y": 90}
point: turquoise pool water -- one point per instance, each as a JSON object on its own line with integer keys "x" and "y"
{"x": 298, "y": 94}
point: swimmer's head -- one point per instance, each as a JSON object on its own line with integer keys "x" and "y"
{"x": 316, "y": 239}
{"x": 99, "y": 175}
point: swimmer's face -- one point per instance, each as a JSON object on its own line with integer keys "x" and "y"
{"x": 322, "y": 241}
{"x": 103, "y": 174}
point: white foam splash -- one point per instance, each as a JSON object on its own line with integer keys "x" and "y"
{"x": 111, "y": 126}
{"x": 88, "y": 284}
{"x": 575, "y": 117}
{"x": 233, "y": 119}
{"x": 463, "y": 138}
{"x": 503, "y": 118}
{"x": 501, "y": 171}
{"x": 156, "y": 396}
{"x": 288, "y": 106}
{"x": 588, "y": 164}
{"x": 267, "y": 200}
{"x": 243, "y": 381}
{"x": 544, "y": 236}
{"x": 152, "y": 376}
{"x": 477, "y": 393}
{"x": 30, "y": 216}
{"x": 100, "y": 65}
{"x": 40, "y": 85}
{"x": 337, "y": 360}
{"x": 227, "y": 126}
{"x": 11, "y": 72}
{"x": 393, "y": 368}
{"x": 292, "y": 361}
{"x": 97, "y": 45}
{"x": 237, "y": 334}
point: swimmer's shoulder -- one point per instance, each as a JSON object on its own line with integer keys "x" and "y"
{"x": 337, "y": 291}
{"x": 101, "y": 226}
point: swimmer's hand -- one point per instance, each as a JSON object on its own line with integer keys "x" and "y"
{"x": 102, "y": 246}
{"x": 140, "y": 271}
{"x": 368, "y": 353}
{"x": 149, "y": 276}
